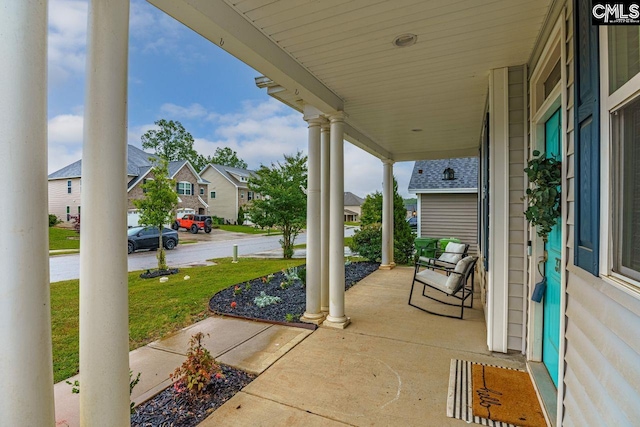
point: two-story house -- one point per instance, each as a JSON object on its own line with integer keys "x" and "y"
{"x": 228, "y": 190}
{"x": 65, "y": 186}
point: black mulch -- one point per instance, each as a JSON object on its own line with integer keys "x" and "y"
{"x": 173, "y": 409}
{"x": 293, "y": 298}
{"x": 170, "y": 408}
{"x": 151, "y": 274}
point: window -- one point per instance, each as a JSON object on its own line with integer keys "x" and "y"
{"x": 68, "y": 213}
{"x": 185, "y": 188}
{"x": 69, "y": 187}
{"x": 242, "y": 194}
{"x": 201, "y": 191}
{"x": 250, "y": 195}
{"x": 213, "y": 194}
{"x": 78, "y": 210}
{"x": 624, "y": 54}
{"x": 626, "y": 138}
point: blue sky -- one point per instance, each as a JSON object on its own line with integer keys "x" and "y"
{"x": 176, "y": 74}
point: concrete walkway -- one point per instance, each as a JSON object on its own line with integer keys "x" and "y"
{"x": 390, "y": 367}
{"x": 250, "y": 346}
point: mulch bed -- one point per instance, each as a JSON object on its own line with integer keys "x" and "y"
{"x": 173, "y": 409}
{"x": 293, "y": 298}
{"x": 152, "y": 274}
{"x": 170, "y": 408}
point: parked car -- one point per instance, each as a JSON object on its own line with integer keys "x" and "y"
{"x": 147, "y": 238}
{"x": 193, "y": 223}
{"x": 413, "y": 222}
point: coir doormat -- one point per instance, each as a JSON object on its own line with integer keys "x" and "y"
{"x": 492, "y": 396}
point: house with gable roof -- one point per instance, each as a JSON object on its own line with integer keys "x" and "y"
{"x": 447, "y": 192}
{"x": 65, "y": 186}
{"x": 228, "y": 190}
{"x": 352, "y": 207}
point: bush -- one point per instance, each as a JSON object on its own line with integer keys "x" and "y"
{"x": 196, "y": 371}
{"x": 403, "y": 241}
{"x": 368, "y": 242}
{"x": 53, "y": 220}
{"x": 216, "y": 220}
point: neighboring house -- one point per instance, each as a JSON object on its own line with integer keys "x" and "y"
{"x": 352, "y": 207}
{"x": 412, "y": 209}
{"x": 447, "y": 207}
{"x": 227, "y": 191}
{"x": 65, "y": 186}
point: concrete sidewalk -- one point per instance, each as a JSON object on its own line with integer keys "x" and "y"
{"x": 247, "y": 345}
{"x": 390, "y": 367}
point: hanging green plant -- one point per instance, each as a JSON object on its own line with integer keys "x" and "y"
{"x": 545, "y": 173}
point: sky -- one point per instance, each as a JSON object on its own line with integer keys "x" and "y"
{"x": 176, "y": 74}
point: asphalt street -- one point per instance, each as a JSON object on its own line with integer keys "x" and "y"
{"x": 67, "y": 267}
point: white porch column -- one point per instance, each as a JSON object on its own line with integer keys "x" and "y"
{"x": 313, "y": 314}
{"x": 104, "y": 328}
{"x": 387, "y": 216}
{"x": 26, "y": 369}
{"x": 336, "y": 317}
{"x": 324, "y": 217}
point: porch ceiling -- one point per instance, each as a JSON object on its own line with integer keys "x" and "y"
{"x": 338, "y": 54}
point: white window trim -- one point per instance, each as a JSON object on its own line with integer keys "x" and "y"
{"x": 610, "y": 103}
{"x": 184, "y": 193}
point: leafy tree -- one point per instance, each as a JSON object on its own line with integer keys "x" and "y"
{"x": 402, "y": 235}
{"x": 172, "y": 142}
{"x": 156, "y": 208}
{"x": 225, "y": 157}
{"x": 283, "y": 203}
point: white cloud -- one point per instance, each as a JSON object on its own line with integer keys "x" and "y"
{"x": 194, "y": 111}
{"x": 65, "y": 140}
{"x": 67, "y": 38}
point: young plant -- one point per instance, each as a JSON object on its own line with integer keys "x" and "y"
{"x": 237, "y": 290}
{"x": 196, "y": 371}
{"x": 247, "y": 286}
{"x": 264, "y": 300}
{"x": 289, "y": 317}
{"x": 75, "y": 387}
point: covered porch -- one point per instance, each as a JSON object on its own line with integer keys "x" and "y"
{"x": 389, "y": 367}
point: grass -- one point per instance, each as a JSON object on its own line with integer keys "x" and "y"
{"x": 59, "y": 238}
{"x": 248, "y": 229}
{"x": 155, "y": 309}
{"x": 347, "y": 242}
{"x": 352, "y": 223}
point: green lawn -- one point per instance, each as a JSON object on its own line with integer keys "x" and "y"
{"x": 352, "y": 223}
{"x": 63, "y": 238}
{"x": 155, "y": 309}
{"x": 347, "y": 242}
{"x": 248, "y": 229}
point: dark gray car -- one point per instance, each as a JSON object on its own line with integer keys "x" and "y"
{"x": 147, "y": 238}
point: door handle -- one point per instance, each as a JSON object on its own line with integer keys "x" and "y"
{"x": 557, "y": 265}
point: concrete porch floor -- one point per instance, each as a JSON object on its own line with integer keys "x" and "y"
{"x": 390, "y": 367}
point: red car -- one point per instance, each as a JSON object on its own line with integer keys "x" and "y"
{"x": 193, "y": 223}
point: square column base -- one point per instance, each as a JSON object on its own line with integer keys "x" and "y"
{"x": 315, "y": 320}
{"x": 337, "y": 325}
{"x": 387, "y": 266}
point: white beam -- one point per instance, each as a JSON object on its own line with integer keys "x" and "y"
{"x": 224, "y": 26}
{"x": 324, "y": 216}
{"x": 26, "y": 372}
{"x": 387, "y": 216}
{"x": 104, "y": 313}
{"x": 312, "y": 313}
{"x": 336, "y": 317}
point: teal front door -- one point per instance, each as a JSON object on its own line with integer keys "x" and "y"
{"x": 552, "y": 267}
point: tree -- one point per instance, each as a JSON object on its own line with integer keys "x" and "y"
{"x": 402, "y": 235}
{"x": 156, "y": 208}
{"x": 283, "y": 203}
{"x": 172, "y": 142}
{"x": 226, "y": 157}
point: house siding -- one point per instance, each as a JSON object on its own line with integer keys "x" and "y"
{"x": 59, "y": 198}
{"x": 450, "y": 215}
{"x": 517, "y": 259}
{"x": 184, "y": 174}
{"x": 224, "y": 205}
{"x": 602, "y": 332}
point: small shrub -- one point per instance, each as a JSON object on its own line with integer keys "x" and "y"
{"x": 264, "y": 300}
{"x": 237, "y": 290}
{"x": 216, "y": 220}
{"x": 368, "y": 242}
{"x": 196, "y": 371}
{"x": 302, "y": 275}
{"x": 247, "y": 286}
{"x": 290, "y": 317}
{"x": 240, "y": 216}
{"x": 53, "y": 220}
